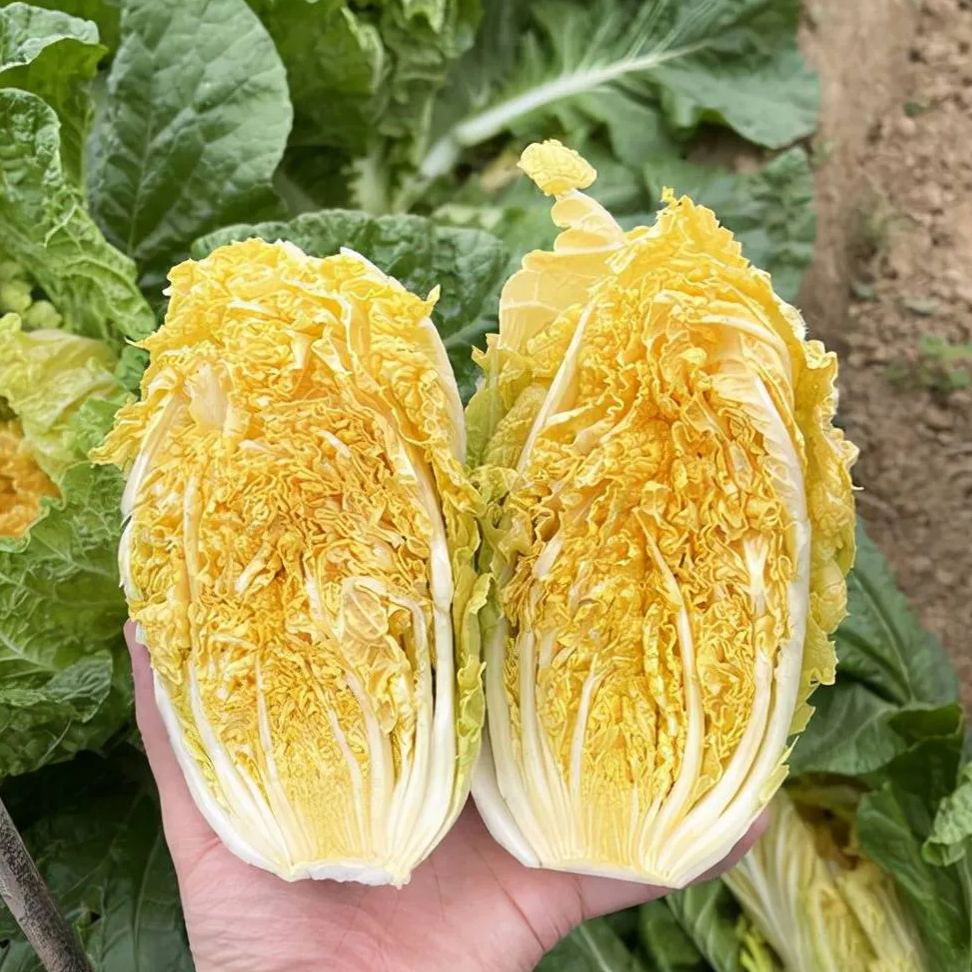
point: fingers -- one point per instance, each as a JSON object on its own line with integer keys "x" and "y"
{"x": 184, "y": 824}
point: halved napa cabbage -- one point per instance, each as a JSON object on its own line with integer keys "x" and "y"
{"x": 297, "y": 555}
{"x": 669, "y": 525}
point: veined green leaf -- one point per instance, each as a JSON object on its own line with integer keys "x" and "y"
{"x": 893, "y": 678}
{"x": 949, "y": 840}
{"x": 705, "y": 60}
{"x": 941, "y": 897}
{"x": 335, "y": 61}
{"x": 709, "y": 915}
{"x": 64, "y": 677}
{"x": 362, "y": 78}
{"x": 591, "y": 947}
{"x": 882, "y": 644}
{"x": 852, "y": 732}
{"x": 44, "y": 227}
{"x": 103, "y": 855}
{"x": 53, "y": 55}
{"x": 106, "y": 14}
{"x": 670, "y": 947}
{"x": 196, "y": 121}
{"x": 64, "y": 683}
{"x": 743, "y": 69}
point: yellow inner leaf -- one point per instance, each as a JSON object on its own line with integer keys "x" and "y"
{"x": 22, "y": 482}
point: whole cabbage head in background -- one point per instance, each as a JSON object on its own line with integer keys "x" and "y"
{"x": 46, "y": 375}
{"x": 813, "y": 896}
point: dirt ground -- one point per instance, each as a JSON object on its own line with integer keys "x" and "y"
{"x": 891, "y": 285}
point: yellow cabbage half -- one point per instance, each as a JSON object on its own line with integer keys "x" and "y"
{"x": 669, "y": 525}
{"x": 297, "y": 555}
{"x": 819, "y": 903}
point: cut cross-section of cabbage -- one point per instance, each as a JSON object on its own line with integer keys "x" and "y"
{"x": 297, "y": 556}
{"x": 669, "y": 525}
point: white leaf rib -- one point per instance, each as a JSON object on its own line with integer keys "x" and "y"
{"x": 480, "y": 127}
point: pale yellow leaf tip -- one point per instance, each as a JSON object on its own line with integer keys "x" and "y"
{"x": 555, "y": 168}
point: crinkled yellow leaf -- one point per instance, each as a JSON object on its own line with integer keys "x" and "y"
{"x": 298, "y": 554}
{"x": 555, "y": 168}
{"x": 670, "y": 548}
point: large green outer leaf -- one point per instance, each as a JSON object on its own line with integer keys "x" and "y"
{"x": 882, "y": 645}
{"x": 424, "y": 37}
{"x": 44, "y": 226}
{"x": 894, "y": 679}
{"x": 334, "y": 61}
{"x": 468, "y": 265}
{"x": 951, "y": 836}
{"x": 745, "y": 72}
{"x": 64, "y": 681}
{"x": 53, "y": 55}
{"x": 105, "y": 860}
{"x": 893, "y": 721}
{"x": 670, "y": 947}
{"x": 591, "y": 947}
{"x": 708, "y": 913}
{"x": 196, "y": 120}
{"x": 894, "y": 823}
{"x": 363, "y": 77}
{"x": 106, "y": 14}
{"x": 852, "y": 732}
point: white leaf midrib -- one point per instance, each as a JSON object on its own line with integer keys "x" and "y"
{"x": 480, "y": 127}
{"x": 603, "y": 964}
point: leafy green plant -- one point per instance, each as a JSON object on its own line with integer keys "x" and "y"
{"x": 93, "y": 828}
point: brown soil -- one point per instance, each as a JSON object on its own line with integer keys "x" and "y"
{"x": 893, "y": 271}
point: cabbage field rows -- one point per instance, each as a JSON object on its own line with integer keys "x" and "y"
{"x": 136, "y": 135}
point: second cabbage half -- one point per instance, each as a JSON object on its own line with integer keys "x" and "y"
{"x": 669, "y": 525}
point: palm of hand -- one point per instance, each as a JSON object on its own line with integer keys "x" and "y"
{"x": 470, "y": 906}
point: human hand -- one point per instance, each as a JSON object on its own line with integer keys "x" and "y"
{"x": 469, "y": 906}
